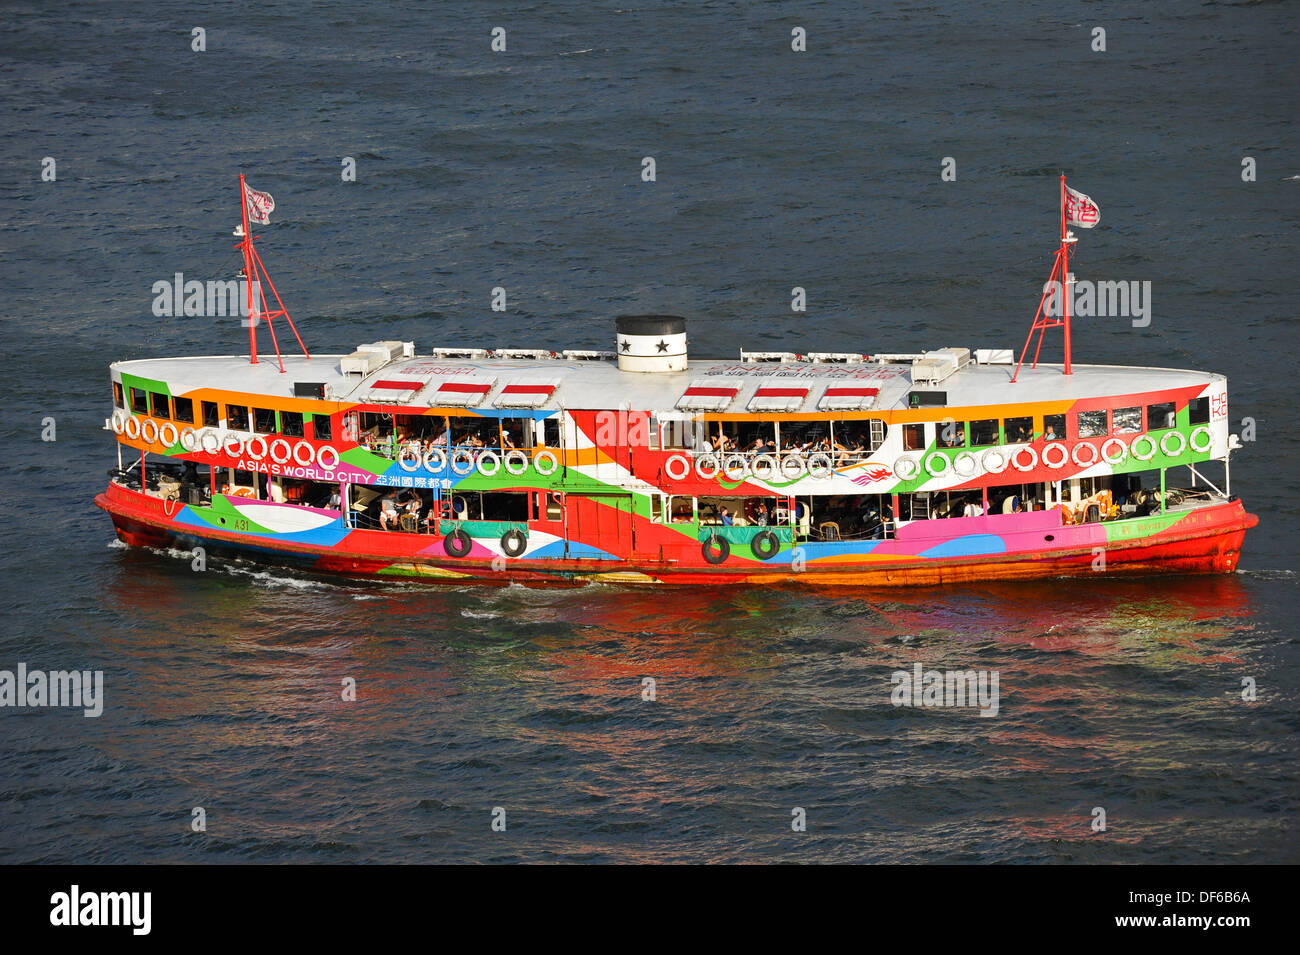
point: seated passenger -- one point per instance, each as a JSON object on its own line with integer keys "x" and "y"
{"x": 388, "y": 510}
{"x": 1050, "y": 434}
{"x": 760, "y": 514}
{"x": 725, "y": 514}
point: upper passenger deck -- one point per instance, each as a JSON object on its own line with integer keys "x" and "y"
{"x": 716, "y": 386}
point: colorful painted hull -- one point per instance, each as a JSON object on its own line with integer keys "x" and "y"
{"x": 1203, "y": 539}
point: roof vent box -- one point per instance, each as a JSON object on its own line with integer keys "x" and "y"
{"x": 361, "y": 363}
{"x": 650, "y": 343}
{"x": 390, "y": 350}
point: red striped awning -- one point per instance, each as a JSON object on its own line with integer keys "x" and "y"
{"x": 778, "y": 398}
{"x": 465, "y": 387}
{"x": 526, "y": 394}
{"x": 710, "y": 392}
{"x": 394, "y": 385}
{"x": 527, "y": 389}
{"x": 847, "y": 398}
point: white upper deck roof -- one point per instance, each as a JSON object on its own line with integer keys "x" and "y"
{"x": 599, "y": 384}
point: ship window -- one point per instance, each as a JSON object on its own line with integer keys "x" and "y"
{"x": 1019, "y": 430}
{"x": 1053, "y": 427}
{"x": 551, "y": 432}
{"x": 118, "y": 400}
{"x": 211, "y": 416}
{"x": 321, "y": 424}
{"x": 139, "y": 401}
{"x": 984, "y": 432}
{"x": 1092, "y": 424}
{"x": 657, "y": 508}
{"x": 682, "y": 510}
{"x": 505, "y": 506}
{"x": 237, "y": 417}
{"x": 952, "y": 434}
{"x": 264, "y": 421}
{"x": 184, "y": 409}
{"x": 291, "y": 424}
{"x": 1160, "y": 416}
{"x": 1126, "y": 420}
{"x": 1198, "y": 411}
{"x": 913, "y": 437}
{"x": 161, "y": 407}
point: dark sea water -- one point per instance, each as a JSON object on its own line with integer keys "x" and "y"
{"x": 522, "y": 169}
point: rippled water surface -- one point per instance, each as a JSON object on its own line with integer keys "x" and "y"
{"x": 522, "y": 169}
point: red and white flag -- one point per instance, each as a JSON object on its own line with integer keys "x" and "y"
{"x": 1079, "y": 209}
{"x": 260, "y": 206}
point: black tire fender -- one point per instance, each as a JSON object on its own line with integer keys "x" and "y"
{"x": 514, "y": 542}
{"x": 457, "y": 543}
{"x": 717, "y": 556}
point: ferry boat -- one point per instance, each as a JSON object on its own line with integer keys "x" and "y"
{"x": 637, "y": 465}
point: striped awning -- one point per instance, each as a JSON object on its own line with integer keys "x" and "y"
{"x": 709, "y": 394}
{"x": 774, "y": 398}
{"x": 465, "y": 394}
{"x": 395, "y": 390}
{"x": 532, "y": 394}
{"x": 847, "y": 398}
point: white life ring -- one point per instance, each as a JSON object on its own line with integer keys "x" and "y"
{"x": 147, "y": 436}
{"x": 936, "y": 457}
{"x": 189, "y": 440}
{"x": 462, "y": 462}
{"x": 792, "y": 467}
{"x": 677, "y": 459}
{"x": 435, "y": 459}
{"x": 489, "y": 458}
{"x": 707, "y": 466}
{"x": 1109, "y": 458}
{"x": 239, "y": 446}
{"x": 820, "y": 466}
{"x": 552, "y": 463}
{"x": 118, "y": 422}
{"x": 1033, "y": 458}
{"x": 255, "y": 455}
{"x": 739, "y": 472}
{"x": 408, "y": 454}
{"x": 764, "y": 467}
{"x": 215, "y": 447}
{"x": 1164, "y": 444}
{"x": 515, "y": 461}
{"x": 162, "y": 435}
{"x": 1209, "y": 440}
{"x": 906, "y": 468}
{"x": 1001, "y": 458}
{"x": 1132, "y": 448}
{"x": 957, "y": 464}
{"x": 1096, "y": 455}
{"x": 132, "y": 427}
{"x": 1065, "y": 455}
{"x": 288, "y": 451}
{"x": 320, "y": 457}
{"x": 311, "y": 453}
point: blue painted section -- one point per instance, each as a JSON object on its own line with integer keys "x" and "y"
{"x": 555, "y": 551}
{"x": 970, "y": 545}
{"x": 327, "y": 536}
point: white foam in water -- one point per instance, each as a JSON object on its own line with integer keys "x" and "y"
{"x": 487, "y": 615}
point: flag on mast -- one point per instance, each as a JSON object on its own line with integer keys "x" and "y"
{"x": 260, "y": 206}
{"x": 1080, "y": 210}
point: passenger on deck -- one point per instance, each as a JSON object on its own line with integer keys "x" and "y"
{"x": 725, "y": 515}
{"x": 973, "y": 509}
{"x": 760, "y": 514}
{"x": 1050, "y": 434}
{"x": 388, "y": 510}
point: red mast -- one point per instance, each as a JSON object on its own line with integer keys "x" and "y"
{"x": 1043, "y": 321}
{"x": 255, "y": 274}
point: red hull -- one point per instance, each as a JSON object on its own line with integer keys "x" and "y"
{"x": 1212, "y": 545}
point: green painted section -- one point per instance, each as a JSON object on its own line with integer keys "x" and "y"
{"x": 1135, "y": 528}
{"x": 366, "y": 461}
{"x": 221, "y": 507}
{"x": 147, "y": 384}
{"x": 742, "y": 535}
{"x": 485, "y": 528}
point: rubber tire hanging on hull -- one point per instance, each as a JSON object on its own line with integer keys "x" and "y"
{"x": 765, "y": 545}
{"x": 723, "y": 549}
{"x": 457, "y": 543}
{"x": 513, "y": 542}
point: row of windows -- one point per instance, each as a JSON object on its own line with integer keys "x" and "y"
{"x": 264, "y": 420}
{"x": 1087, "y": 424}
